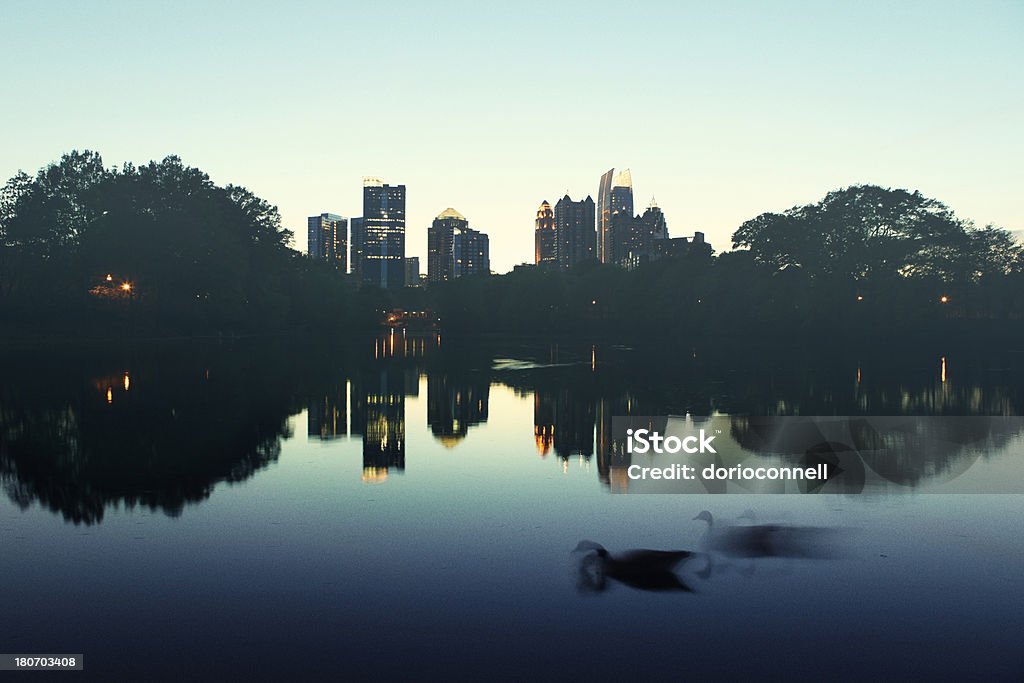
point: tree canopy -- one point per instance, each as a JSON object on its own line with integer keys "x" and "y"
{"x": 78, "y": 238}
{"x": 867, "y": 232}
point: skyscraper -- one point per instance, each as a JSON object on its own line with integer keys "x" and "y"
{"x": 328, "y": 239}
{"x": 440, "y": 239}
{"x": 358, "y": 241}
{"x": 544, "y": 236}
{"x": 412, "y": 271}
{"x": 604, "y": 217}
{"x": 654, "y": 222}
{"x": 574, "y": 231}
{"x": 383, "y": 233}
{"x": 471, "y": 252}
{"x": 622, "y": 218}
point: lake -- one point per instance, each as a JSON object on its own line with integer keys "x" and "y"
{"x": 406, "y": 506}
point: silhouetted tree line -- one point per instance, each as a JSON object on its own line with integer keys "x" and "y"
{"x": 162, "y": 247}
{"x": 155, "y": 247}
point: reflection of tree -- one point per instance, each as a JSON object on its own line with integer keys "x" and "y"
{"x": 905, "y": 450}
{"x": 162, "y": 435}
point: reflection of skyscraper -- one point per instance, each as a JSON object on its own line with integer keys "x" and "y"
{"x": 440, "y": 238}
{"x": 574, "y": 424}
{"x": 563, "y": 419}
{"x": 543, "y": 421}
{"x": 574, "y": 231}
{"x": 544, "y": 236}
{"x": 604, "y": 218}
{"x": 326, "y": 416}
{"x": 453, "y": 406}
{"x": 383, "y": 234}
{"x": 327, "y": 239}
{"x": 613, "y": 460}
{"x": 378, "y": 413}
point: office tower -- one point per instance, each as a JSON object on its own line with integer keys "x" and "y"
{"x": 383, "y": 234}
{"x": 622, "y": 223}
{"x": 654, "y": 222}
{"x": 328, "y": 239}
{"x": 604, "y": 217}
{"x": 471, "y": 253}
{"x": 412, "y": 271}
{"x": 646, "y": 237}
{"x": 574, "y": 231}
{"x": 357, "y": 239}
{"x": 440, "y": 238}
{"x": 544, "y": 236}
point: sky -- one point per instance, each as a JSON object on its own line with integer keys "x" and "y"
{"x": 722, "y": 110}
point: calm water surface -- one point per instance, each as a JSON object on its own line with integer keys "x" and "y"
{"x": 394, "y": 510}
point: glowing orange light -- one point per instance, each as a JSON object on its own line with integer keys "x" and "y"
{"x": 110, "y": 395}
{"x": 944, "y": 299}
{"x": 127, "y": 381}
{"x": 942, "y": 370}
{"x": 127, "y": 286}
{"x": 110, "y": 278}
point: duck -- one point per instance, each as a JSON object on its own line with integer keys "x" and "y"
{"x": 766, "y": 540}
{"x": 651, "y": 570}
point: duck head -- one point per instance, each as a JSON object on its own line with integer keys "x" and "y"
{"x": 704, "y": 515}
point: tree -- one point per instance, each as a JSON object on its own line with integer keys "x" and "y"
{"x": 868, "y": 232}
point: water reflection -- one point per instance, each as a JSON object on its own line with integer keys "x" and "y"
{"x": 454, "y": 404}
{"x": 81, "y": 432}
{"x": 78, "y": 436}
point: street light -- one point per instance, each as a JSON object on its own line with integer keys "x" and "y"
{"x": 943, "y": 299}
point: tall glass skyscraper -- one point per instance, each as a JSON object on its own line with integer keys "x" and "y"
{"x": 604, "y": 218}
{"x": 383, "y": 234}
{"x": 358, "y": 241}
{"x": 622, "y": 217}
{"x": 327, "y": 239}
{"x": 440, "y": 240}
{"x": 471, "y": 253}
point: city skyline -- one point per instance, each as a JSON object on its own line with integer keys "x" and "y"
{"x": 724, "y": 112}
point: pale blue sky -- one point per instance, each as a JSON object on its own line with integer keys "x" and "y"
{"x": 721, "y": 110}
